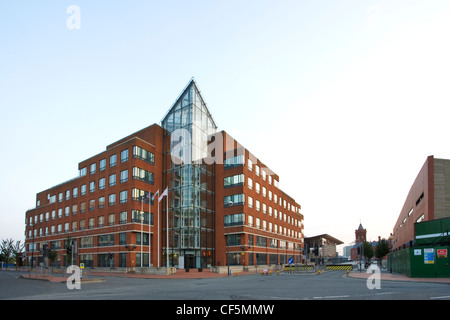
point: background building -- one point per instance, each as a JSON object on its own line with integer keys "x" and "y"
{"x": 428, "y": 199}
{"x": 221, "y": 205}
{"x": 322, "y": 249}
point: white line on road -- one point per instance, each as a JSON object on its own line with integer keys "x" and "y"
{"x": 443, "y": 297}
{"x": 332, "y": 297}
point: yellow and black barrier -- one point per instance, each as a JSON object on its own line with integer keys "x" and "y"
{"x": 297, "y": 268}
{"x": 339, "y": 267}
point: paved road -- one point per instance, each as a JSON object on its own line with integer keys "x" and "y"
{"x": 328, "y": 286}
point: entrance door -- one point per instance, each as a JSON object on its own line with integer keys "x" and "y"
{"x": 189, "y": 261}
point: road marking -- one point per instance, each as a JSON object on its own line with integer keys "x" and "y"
{"x": 443, "y": 297}
{"x": 332, "y": 297}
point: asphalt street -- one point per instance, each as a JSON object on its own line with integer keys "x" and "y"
{"x": 327, "y": 286}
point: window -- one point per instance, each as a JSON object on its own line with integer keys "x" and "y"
{"x": 75, "y": 192}
{"x": 250, "y": 165}
{"x": 234, "y": 219}
{"x": 83, "y": 189}
{"x": 250, "y": 183}
{"x": 234, "y": 200}
{"x": 93, "y": 168}
{"x": 250, "y": 221}
{"x": 123, "y": 217}
{"x": 233, "y": 240}
{"x": 257, "y": 187}
{"x": 137, "y": 215}
{"x": 420, "y": 219}
{"x": 250, "y": 202}
{"x": 123, "y": 238}
{"x": 101, "y": 202}
{"x": 141, "y": 195}
{"x": 112, "y": 180}
{"x": 91, "y": 223}
{"x": 111, "y": 219}
{"x": 106, "y": 240}
{"x": 112, "y": 199}
{"x": 258, "y": 205}
{"x": 257, "y": 170}
{"x": 123, "y": 176}
{"x": 143, "y": 175}
{"x": 101, "y": 184}
{"x": 92, "y": 186}
{"x": 67, "y": 194}
{"x": 113, "y": 160}
{"x": 123, "y": 196}
{"x": 101, "y": 222}
{"x": 237, "y": 180}
{"x": 91, "y": 205}
{"x": 420, "y": 199}
{"x": 82, "y": 207}
{"x": 143, "y": 154}
{"x": 234, "y": 161}
{"x": 102, "y": 164}
{"x": 124, "y": 155}
{"x": 83, "y": 172}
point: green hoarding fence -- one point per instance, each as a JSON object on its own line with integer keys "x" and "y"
{"x": 421, "y": 262}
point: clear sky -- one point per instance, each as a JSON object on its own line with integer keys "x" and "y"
{"x": 344, "y": 100}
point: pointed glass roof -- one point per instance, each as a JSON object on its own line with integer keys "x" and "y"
{"x": 189, "y": 108}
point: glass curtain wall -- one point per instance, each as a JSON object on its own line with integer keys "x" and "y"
{"x": 190, "y": 182}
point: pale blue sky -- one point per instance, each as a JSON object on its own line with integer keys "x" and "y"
{"x": 343, "y": 99}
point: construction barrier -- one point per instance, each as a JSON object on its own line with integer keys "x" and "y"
{"x": 299, "y": 268}
{"x": 339, "y": 267}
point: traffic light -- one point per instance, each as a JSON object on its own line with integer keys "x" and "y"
{"x": 69, "y": 250}
{"x": 316, "y": 251}
{"x": 110, "y": 255}
{"x": 45, "y": 250}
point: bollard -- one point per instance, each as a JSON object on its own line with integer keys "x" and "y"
{"x": 320, "y": 272}
{"x": 278, "y": 272}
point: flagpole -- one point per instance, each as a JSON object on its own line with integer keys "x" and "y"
{"x": 149, "y": 224}
{"x": 167, "y": 229}
{"x": 158, "y": 232}
{"x": 142, "y": 224}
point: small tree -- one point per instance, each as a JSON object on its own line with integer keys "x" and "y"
{"x": 10, "y": 252}
{"x": 382, "y": 249}
{"x": 52, "y": 257}
{"x": 368, "y": 251}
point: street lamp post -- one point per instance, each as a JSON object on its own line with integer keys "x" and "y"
{"x": 230, "y": 203}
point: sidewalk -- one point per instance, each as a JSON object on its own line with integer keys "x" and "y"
{"x": 101, "y": 276}
{"x": 397, "y": 277}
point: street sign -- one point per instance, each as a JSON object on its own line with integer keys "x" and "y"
{"x": 291, "y": 261}
{"x": 428, "y": 255}
{"x": 442, "y": 253}
{"x": 81, "y": 265}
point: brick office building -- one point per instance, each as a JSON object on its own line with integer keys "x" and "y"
{"x": 223, "y": 204}
{"x": 428, "y": 199}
